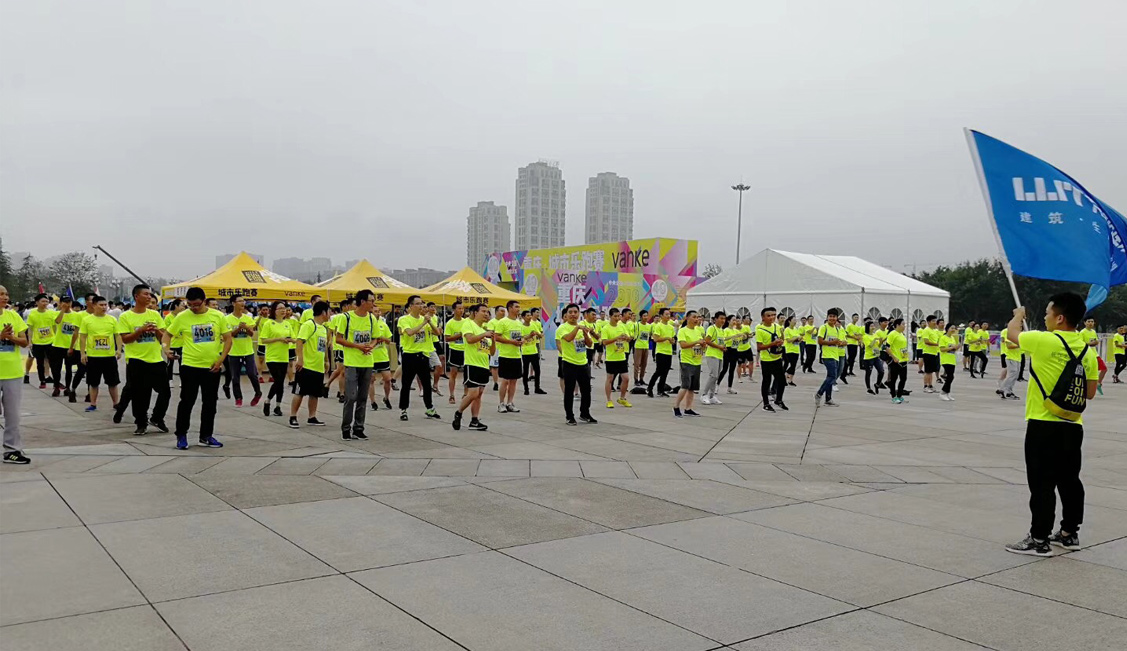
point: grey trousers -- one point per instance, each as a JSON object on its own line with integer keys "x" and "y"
{"x": 1007, "y": 385}
{"x": 10, "y": 391}
{"x": 712, "y": 376}
{"x": 356, "y": 381}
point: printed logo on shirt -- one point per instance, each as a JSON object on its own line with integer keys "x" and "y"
{"x": 203, "y": 333}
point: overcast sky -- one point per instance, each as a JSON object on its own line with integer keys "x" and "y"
{"x": 172, "y": 131}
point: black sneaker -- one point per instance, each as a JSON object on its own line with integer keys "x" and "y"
{"x": 159, "y": 424}
{"x": 71, "y": 397}
{"x": 375, "y": 406}
{"x": 386, "y": 404}
{"x": 266, "y": 409}
{"x": 690, "y": 412}
{"x": 588, "y": 419}
{"x": 117, "y": 416}
{"x": 293, "y": 422}
{"x": 782, "y": 405}
{"x": 17, "y": 457}
{"x": 26, "y": 380}
{"x": 494, "y": 386}
{"x": 1030, "y": 547}
{"x": 360, "y": 436}
{"x": 346, "y": 436}
{"x": 457, "y": 422}
{"x": 870, "y": 392}
{"x": 403, "y": 415}
{"x": 140, "y": 431}
{"x": 476, "y": 424}
{"x": 313, "y": 422}
{"x": 430, "y": 413}
{"x": 768, "y": 407}
{"x": 1071, "y": 541}
{"x": 540, "y": 392}
{"x": 227, "y": 392}
{"x": 677, "y": 413}
{"x": 571, "y": 421}
{"x": 340, "y": 398}
{"x": 277, "y": 411}
{"x": 87, "y": 398}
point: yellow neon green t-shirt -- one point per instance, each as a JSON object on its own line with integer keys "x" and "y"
{"x": 644, "y": 332}
{"x": 872, "y": 346}
{"x": 528, "y": 347}
{"x": 42, "y": 326}
{"x": 315, "y": 338}
{"x": 718, "y": 337}
{"x": 359, "y": 330}
{"x": 1118, "y": 344}
{"x": 383, "y": 331}
{"x": 1047, "y": 358}
{"x": 788, "y": 334}
{"x": 100, "y": 339}
{"x": 203, "y": 336}
{"x": 765, "y": 335}
{"x": 831, "y": 332}
{"x": 1013, "y": 353}
{"x": 455, "y": 327}
{"x": 808, "y": 332}
{"x": 898, "y": 346}
{"x": 615, "y": 351}
{"x": 510, "y": 329}
{"x": 948, "y": 357}
{"x": 930, "y": 338}
{"x": 276, "y": 351}
{"x": 664, "y": 330}
{"x": 416, "y": 343}
{"x": 11, "y": 363}
{"x": 294, "y": 324}
{"x": 69, "y": 326}
{"x": 574, "y": 351}
{"x": 476, "y": 354}
{"x": 746, "y": 336}
{"x": 147, "y": 347}
{"x": 691, "y": 344}
{"x": 242, "y": 343}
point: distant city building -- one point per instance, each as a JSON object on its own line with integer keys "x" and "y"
{"x": 310, "y": 270}
{"x": 487, "y": 231}
{"x": 541, "y": 206}
{"x": 420, "y": 278}
{"x": 221, "y": 260}
{"x": 610, "y": 209}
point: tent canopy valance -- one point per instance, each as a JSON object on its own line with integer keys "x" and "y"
{"x": 243, "y": 275}
{"x": 364, "y": 275}
{"x": 469, "y": 287}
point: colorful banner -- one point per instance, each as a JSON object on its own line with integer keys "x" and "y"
{"x": 639, "y": 274}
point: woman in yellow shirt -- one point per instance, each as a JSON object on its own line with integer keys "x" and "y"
{"x": 1119, "y": 351}
{"x": 792, "y": 337}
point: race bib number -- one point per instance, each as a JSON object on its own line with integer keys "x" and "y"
{"x": 619, "y": 346}
{"x": 320, "y": 344}
{"x": 580, "y": 344}
{"x": 362, "y": 337}
{"x": 241, "y": 334}
{"x": 515, "y": 335}
{"x": 69, "y": 329}
{"x": 147, "y": 338}
{"x": 7, "y": 347}
{"x": 645, "y": 336}
{"x": 102, "y": 343}
{"x": 420, "y": 337}
{"x": 44, "y": 332}
{"x": 203, "y": 333}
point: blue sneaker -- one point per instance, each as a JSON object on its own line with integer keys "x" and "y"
{"x": 181, "y": 442}
{"x": 91, "y": 408}
{"x": 210, "y": 442}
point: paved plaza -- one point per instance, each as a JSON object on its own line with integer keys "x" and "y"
{"x": 865, "y": 526}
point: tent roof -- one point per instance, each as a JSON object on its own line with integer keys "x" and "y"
{"x": 243, "y": 275}
{"x": 364, "y": 275}
{"x": 779, "y": 272}
{"x": 469, "y": 287}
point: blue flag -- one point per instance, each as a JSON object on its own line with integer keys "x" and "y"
{"x": 1047, "y": 224}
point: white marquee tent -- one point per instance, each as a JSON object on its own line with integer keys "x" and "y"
{"x": 813, "y": 284}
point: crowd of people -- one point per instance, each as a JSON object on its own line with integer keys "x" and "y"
{"x": 366, "y": 355}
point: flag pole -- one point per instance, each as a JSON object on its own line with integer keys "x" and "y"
{"x": 990, "y": 213}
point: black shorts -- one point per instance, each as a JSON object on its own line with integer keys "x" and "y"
{"x": 590, "y": 356}
{"x": 917, "y": 354}
{"x": 310, "y": 383}
{"x": 690, "y": 377}
{"x": 478, "y": 376}
{"x": 262, "y": 351}
{"x": 966, "y": 350}
{"x": 102, "y": 368}
{"x": 456, "y": 359}
{"x": 598, "y": 348}
{"x": 338, "y": 355}
{"x": 509, "y": 368}
{"x": 931, "y": 363}
{"x": 616, "y": 367}
{"x": 381, "y": 367}
{"x": 746, "y": 356}
{"x": 293, "y": 354}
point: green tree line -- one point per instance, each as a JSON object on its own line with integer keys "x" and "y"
{"x": 979, "y": 290}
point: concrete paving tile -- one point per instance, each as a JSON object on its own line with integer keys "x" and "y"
{"x": 331, "y": 612}
{"x": 488, "y": 517}
{"x": 713, "y": 497}
{"x": 503, "y": 468}
{"x": 670, "y": 441}
{"x": 14, "y": 476}
{"x": 546, "y": 468}
{"x": 708, "y": 598}
{"x": 657, "y": 470}
{"x": 102, "y": 450}
{"x": 537, "y": 451}
{"x": 856, "y": 473}
{"x": 77, "y": 463}
{"x": 249, "y": 491}
{"x": 802, "y": 490}
{"x": 605, "y": 505}
{"x": 1111, "y": 554}
{"x": 239, "y": 466}
{"x": 994, "y": 525}
{"x": 1008, "y": 475}
{"x": 112, "y": 498}
{"x": 938, "y": 550}
{"x": 128, "y": 629}
{"x": 133, "y": 464}
{"x": 33, "y": 505}
{"x": 346, "y": 466}
{"x": 451, "y": 468}
{"x": 185, "y": 465}
{"x": 613, "y": 450}
{"x": 812, "y": 472}
{"x": 357, "y": 533}
{"x": 837, "y": 572}
{"x": 1087, "y": 585}
{"x": 192, "y": 555}
{"x": 491, "y": 601}
{"x": 710, "y": 470}
{"x": 293, "y": 466}
{"x": 619, "y": 469}
{"x": 404, "y": 467}
{"x": 378, "y": 484}
{"x": 1004, "y": 619}
{"x": 760, "y": 472}
{"x": 920, "y": 475}
{"x": 56, "y": 573}
{"x": 446, "y": 452}
{"x": 857, "y": 631}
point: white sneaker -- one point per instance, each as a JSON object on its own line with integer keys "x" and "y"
{"x": 501, "y": 409}
{"x": 715, "y": 400}
{"x": 731, "y": 392}
{"x": 831, "y": 403}
{"x": 817, "y": 400}
{"x": 741, "y": 380}
{"x": 705, "y": 400}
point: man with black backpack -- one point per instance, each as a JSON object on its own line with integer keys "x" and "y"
{"x": 1064, "y": 375}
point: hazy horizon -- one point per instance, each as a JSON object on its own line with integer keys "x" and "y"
{"x": 172, "y": 134}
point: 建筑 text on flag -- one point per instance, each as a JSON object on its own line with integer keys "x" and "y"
{"x": 1047, "y": 224}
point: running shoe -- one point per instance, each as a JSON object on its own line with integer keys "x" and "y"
{"x": 1070, "y": 541}
{"x": 511, "y": 408}
{"x": 817, "y": 400}
{"x": 16, "y": 457}
{"x": 255, "y": 400}
{"x": 731, "y": 392}
{"x": 588, "y": 419}
{"x": 360, "y": 435}
{"x": 476, "y": 424}
{"x": 610, "y": 405}
{"x": 92, "y": 408}
{"x": 431, "y": 413}
{"x": 625, "y": 403}
{"x": 870, "y": 392}
{"x": 571, "y": 421}
{"x": 831, "y": 403}
{"x": 239, "y": 402}
{"x": 277, "y": 411}
{"x": 266, "y": 409}
{"x": 690, "y": 412}
{"x": 767, "y": 407}
{"x": 227, "y": 392}
{"x": 313, "y": 422}
{"x": 403, "y": 415}
{"x": 677, "y": 413}
{"x": 140, "y": 430}
{"x": 704, "y": 400}
{"x": 346, "y": 436}
{"x": 210, "y": 442}
{"x": 436, "y": 392}
{"x": 293, "y": 422}
{"x": 181, "y": 442}
{"x": 117, "y": 416}
{"x": 56, "y": 392}
{"x": 457, "y": 422}
{"x": 897, "y": 401}
{"x": 540, "y": 392}
{"x": 1029, "y": 546}
{"x": 715, "y": 400}
{"x": 501, "y": 409}
{"x": 782, "y": 405}
{"x": 386, "y": 403}
{"x": 159, "y": 424}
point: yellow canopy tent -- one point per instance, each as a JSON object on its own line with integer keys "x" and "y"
{"x": 243, "y": 275}
{"x": 469, "y": 287}
{"x": 364, "y": 275}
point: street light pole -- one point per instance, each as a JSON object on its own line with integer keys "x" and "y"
{"x": 741, "y": 188}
